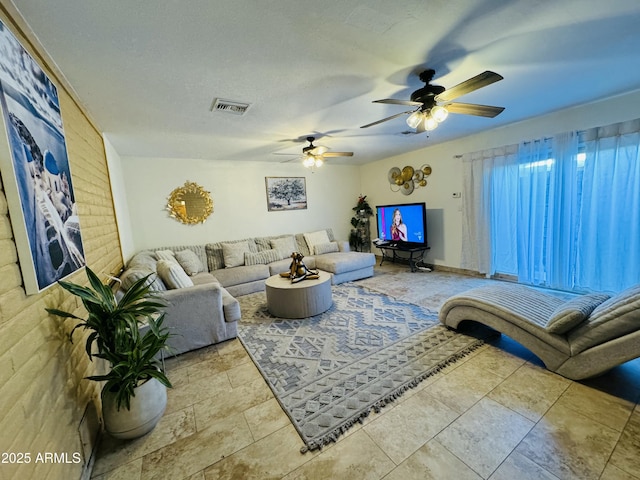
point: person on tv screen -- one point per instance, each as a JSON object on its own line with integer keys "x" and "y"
{"x": 398, "y": 228}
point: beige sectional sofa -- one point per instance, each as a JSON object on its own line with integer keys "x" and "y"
{"x": 200, "y": 281}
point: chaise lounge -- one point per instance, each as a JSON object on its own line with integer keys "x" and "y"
{"x": 579, "y": 338}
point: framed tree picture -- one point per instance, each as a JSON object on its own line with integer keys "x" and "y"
{"x": 286, "y": 193}
{"x": 35, "y": 170}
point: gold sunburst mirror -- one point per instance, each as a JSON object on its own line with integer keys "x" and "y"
{"x": 190, "y": 204}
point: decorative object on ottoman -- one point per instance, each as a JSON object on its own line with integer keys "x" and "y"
{"x": 298, "y": 270}
{"x": 117, "y": 333}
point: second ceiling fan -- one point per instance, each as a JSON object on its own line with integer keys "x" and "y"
{"x": 433, "y": 102}
{"x": 313, "y": 156}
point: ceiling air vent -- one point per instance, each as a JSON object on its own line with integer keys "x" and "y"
{"x": 228, "y": 106}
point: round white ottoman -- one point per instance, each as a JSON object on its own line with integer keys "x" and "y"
{"x": 305, "y": 298}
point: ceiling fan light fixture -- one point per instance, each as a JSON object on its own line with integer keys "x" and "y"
{"x": 430, "y": 123}
{"x": 319, "y": 162}
{"x": 415, "y": 118}
{"x": 309, "y": 161}
{"x": 427, "y": 101}
{"x": 439, "y": 113}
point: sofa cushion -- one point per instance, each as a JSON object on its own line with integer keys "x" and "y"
{"x": 233, "y": 253}
{"x": 574, "y": 312}
{"x": 215, "y": 257}
{"x": 323, "y": 248}
{"x": 144, "y": 260}
{"x": 265, "y": 243}
{"x": 611, "y": 319}
{"x": 166, "y": 255}
{"x": 262, "y": 243}
{"x": 286, "y": 245}
{"x": 316, "y": 238}
{"x": 173, "y": 275}
{"x": 344, "y": 261}
{"x": 132, "y": 275}
{"x": 301, "y": 245}
{"x": 199, "y": 250}
{"x": 189, "y": 261}
{"x": 229, "y": 277}
{"x": 204, "y": 277}
{"x": 264, "y": 257}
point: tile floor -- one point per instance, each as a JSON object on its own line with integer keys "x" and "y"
{"x": 496, "y": 414}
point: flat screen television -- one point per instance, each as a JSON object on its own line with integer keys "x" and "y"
{"x": 410, "y": 228}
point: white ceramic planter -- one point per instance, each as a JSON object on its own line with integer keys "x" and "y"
{"x": 147, "y": 407}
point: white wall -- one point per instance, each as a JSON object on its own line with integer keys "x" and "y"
{"x": 239, "y": 196}
{"x": 119, "y": 195}
{"x": 444, "y": 215}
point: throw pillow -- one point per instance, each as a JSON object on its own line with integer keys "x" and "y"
{"x": 190, "y": 262}
{"x": 173, "y": 275}
{"x": 132, "y": 275}
{"x": 233, "y": 253}
{"x": 316, "y": 238}
{"x": 326, "y": 248}
{"x": 286, "y": 245}
{"x": 572, "y": 313}
{"x": 613, "y": 318}
{"x": 145, "y": 260}
{"x": 215, "y": 254}
{"x": 166, "y": 255}
{"x": 262, "y": 258}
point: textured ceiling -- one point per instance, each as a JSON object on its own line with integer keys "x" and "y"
{"x": 149, "y": 71}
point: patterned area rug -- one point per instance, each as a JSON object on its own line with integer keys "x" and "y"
{"x": 428, "y": 289}
{"x": 330, "y": 370}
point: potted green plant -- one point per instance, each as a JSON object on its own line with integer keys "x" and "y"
{"x": 129, "y": 336}
{"x": 359, "y": 237}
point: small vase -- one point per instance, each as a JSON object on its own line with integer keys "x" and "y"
{"x": 147, "y": 407}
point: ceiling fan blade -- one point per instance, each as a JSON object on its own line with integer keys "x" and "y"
{"x": 290, "y": 159}
{"x": 468, "y": 86}
{"x": 338, "y": 154}
{"x": 318, "y": 150}
{"x": 388, "y": 118}
{"x": 473, "y": 109}
{"x": 393, "y": 101}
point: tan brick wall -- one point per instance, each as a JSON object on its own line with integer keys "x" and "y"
{"x": 43, "y": 394}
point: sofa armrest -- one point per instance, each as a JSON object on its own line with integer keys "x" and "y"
{"x": 210, "y": 296}
{"x": 196, "y": 316}
{"x": 206, "y": 292}
{"x": 230, "y": 307}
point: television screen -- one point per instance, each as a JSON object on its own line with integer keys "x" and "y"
{"x": 402, "y": 224}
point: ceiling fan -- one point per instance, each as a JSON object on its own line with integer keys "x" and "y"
{"x": 433, "y": 102}
{"x": 313, "y": 156}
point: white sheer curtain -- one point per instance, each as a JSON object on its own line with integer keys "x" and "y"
{"x": 562, "y": 212}
{"x": 547, "y": 211}
{"x": 608, "y": 240}
{"x": 484, "y": 179}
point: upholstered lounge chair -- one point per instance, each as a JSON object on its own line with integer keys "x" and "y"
{"x": 579, "y": 338}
